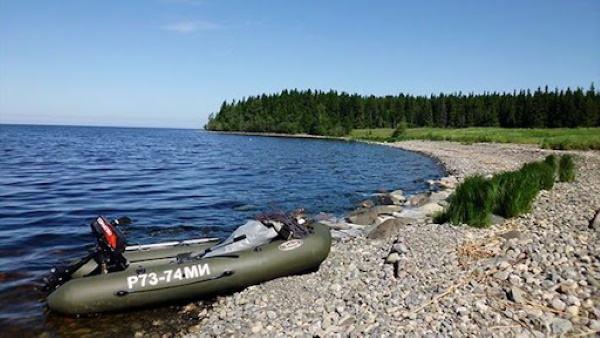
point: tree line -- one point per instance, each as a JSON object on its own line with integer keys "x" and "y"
{"x": 336, "y": 114}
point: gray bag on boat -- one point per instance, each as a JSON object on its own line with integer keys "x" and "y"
{"x": 247, "y": 236}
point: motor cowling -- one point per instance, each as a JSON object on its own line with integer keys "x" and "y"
{"x": 111, "y": 243}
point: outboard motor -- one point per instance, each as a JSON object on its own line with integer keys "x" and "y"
{"x": 110, "y": 245}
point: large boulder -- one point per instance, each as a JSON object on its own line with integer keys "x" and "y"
{"x": 369, "y": 216}
{"x": 449, "y": 182}
{"x": 389, "y": 228}
{"x": 363, "y": 216}
{"x": 418, "y": 200}
{"x": 397, "y": 197}
{"x": 382, "y": 218}
{"x": 441, "y": 195}
{"x": 387, "y": 209}
{"x": 430, "y": 209}
{"x": 365, "y": 204}
{"x": 383, "y": 197}
{"x": 411, "y": 213}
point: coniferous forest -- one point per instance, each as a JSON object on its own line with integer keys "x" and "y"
{"x": 336, "y": 114}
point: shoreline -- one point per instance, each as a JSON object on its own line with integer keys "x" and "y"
{"x": 535, "y": 275}
{"x": 264, "y": 134}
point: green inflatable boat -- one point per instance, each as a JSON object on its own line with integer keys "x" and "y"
{"x": 117, "y": 277}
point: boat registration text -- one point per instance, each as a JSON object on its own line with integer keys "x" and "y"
{"x": 167, "y": 276}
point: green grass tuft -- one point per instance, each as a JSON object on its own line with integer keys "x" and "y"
{"x": 543, "y": 173}
{"x": 566, "y": 169}
{"x": 509, "y": 194}
{"x": 516, "y": 192}
{"x": 552, "y": 160}
{"x": 471, "y": 203}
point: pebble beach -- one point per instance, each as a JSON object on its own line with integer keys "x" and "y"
{"x": 537, "y": 275}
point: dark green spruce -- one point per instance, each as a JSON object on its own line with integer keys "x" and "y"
{"x": 336, "y": 114}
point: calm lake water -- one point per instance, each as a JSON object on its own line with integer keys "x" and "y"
{"x": 175, "y": 184}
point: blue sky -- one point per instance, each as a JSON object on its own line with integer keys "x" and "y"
{"x": 170, "y": 63}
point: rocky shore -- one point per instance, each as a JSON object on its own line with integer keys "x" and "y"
{"x": 398, "y": 274}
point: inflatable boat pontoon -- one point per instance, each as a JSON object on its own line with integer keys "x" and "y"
{"x": 117, "y": 277}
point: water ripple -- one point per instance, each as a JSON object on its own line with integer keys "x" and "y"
{"x": 176, "y": 184}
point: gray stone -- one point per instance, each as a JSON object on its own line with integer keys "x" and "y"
{"x": 573, "y": 310}
{"x": 430, "y": 209}
{"x": 511, "y": 234}
{"x": 397, "y": 197}
{"x": 336, "y": 288}
{"x": 387, "y": 209}
{"x": 380, "y": 219}
{"x": 387, "y": 229}
{"x": 365, "y": 204}
{"x": 418, "y": 200}
{"x": 462, "y": 311}
{"x": 449, "y": 182}
{"x": 399, "y": 248}
{"x": 501, "y": 275}
{"x": 569, "y": 274}
{"x": 561, "y": 326}
{"x": 392, "y": 258}
{"x": 572, "y": 300}
{"x": 363, "y": 217}
{"x": 514, "y": 294}
{"x": 558, "y": 304}
{"x": 346, "y": 320}
{"x": 326, "y": 323}
{"x": 440, "y": 195}
{"x": 383, "y": 198}
{"x": 194, "y": 329}
{"x": 514, "y": 279}
{"x": 481, "y": 306}
{"x": 503, "y": 265}
{"x": 497, "y": 219}
{"x": 257, "y": 328}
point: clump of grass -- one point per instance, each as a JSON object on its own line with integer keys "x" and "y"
{"x": 566, "y": 169}
{"x": 516, "y": 192}
{"x": 552, "y": 160}
{"x": 542, "y": 172}
{"x": 471, "y": 203}
{"x": 509, "y": 194}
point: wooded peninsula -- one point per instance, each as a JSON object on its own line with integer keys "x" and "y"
{"x": 331, "y": 113}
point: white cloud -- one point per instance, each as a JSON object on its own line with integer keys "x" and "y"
{"x": 185, "y": 27}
